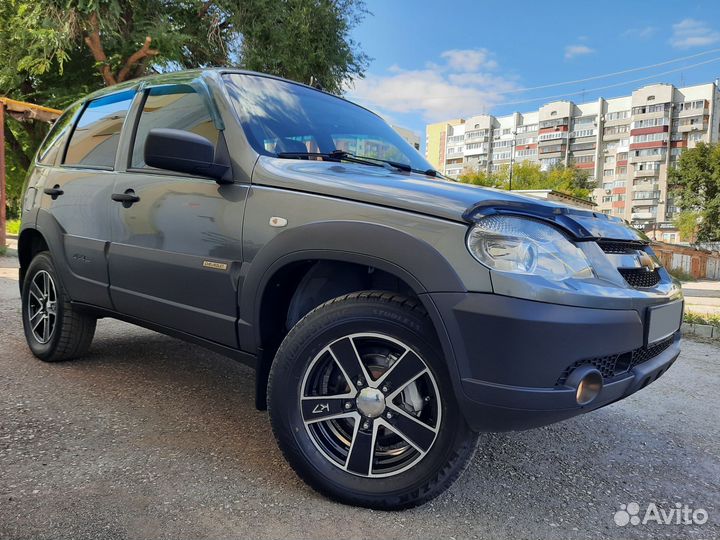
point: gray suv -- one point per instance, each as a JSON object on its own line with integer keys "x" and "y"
{"x": 389, "y": 314}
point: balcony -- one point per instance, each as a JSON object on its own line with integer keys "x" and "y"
{"x": 476, "y": 138}
{"x": 475, "y": 151}
{"x": 615, "y": 136}
{"x": 654, "y": 114}
{"x": 700, "y": 126}
{"x": 646, "y": 172}
{"x": 693, "y": 112}
{"x": 643, "y": 215}
{"x": 648, "y": 185}
{"x": 656, "y": 157}
{"x": 646, "y": 202}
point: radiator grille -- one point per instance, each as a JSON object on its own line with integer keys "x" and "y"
{"x": 639, "y": 277}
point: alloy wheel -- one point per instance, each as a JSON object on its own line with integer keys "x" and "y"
{"x": 42, "y": 306}
{"x": 370, "y": 405}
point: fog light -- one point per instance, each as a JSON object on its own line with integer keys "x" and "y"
{"x": 588, "y": 383}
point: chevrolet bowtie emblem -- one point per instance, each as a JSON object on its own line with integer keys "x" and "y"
{"x": 645, "y": 261}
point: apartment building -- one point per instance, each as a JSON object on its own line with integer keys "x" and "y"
{"x": 626, "y": 144}
{"x": 412, "y": 138}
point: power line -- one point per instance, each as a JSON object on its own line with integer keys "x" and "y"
{"x": 595, "y": 77}
{"x": 614, "y": 85}
{"x": 606, "y": 75}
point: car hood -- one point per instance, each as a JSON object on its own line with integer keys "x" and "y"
{"x": 434, "y": 197}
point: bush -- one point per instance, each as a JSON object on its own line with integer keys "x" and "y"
{"x": 12, "y": 226}
{"x": 696, "y": 318}
{"x": 680, "y": 274}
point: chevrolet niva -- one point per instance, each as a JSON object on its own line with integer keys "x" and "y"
{"x": 389, "y": 314}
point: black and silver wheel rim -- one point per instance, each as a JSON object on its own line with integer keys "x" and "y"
{"x": 42, "y": 307}
{"x": 370, "y": 405}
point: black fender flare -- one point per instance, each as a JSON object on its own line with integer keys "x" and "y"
{"x": 414, "y": 261}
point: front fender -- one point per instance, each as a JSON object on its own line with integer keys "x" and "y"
{"x": 414, "y": 261}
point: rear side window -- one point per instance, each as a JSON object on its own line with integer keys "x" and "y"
{"x": 175, "y": 107}
{"x": 94, "y": 141}
{"x": 56, "y": 137}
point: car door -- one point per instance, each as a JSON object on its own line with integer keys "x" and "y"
{"x": 75, "y": 185}
{"x": 176, "y": 246}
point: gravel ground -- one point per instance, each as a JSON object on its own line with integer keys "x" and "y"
{"x": 149, "y": 437}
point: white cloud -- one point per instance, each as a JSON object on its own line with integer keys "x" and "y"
{"x": 468, "y": 60}
{"x": 571, "y": 51}
{"x": 693, "y": 33}
{"x": 645, "y": 32}
{"x": 463, "y": 84}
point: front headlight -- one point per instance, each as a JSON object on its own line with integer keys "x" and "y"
{"x": 526, "y": 246}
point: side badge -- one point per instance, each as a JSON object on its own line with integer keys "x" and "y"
{"x": 278, "y": 221}
{"x": 215, "y": 265}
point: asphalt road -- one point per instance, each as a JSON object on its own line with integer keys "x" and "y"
{"x": 149, "y": 437}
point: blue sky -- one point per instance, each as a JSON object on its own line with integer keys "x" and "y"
{"x": 434, "y": 60}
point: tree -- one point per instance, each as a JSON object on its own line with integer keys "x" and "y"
{"x": 55, "y": 51}
{"x": 307, "y": 39}
{"x": 482, "y": 178}
{"x": 696, "y": 188}
{"x": 687, "y": 224}
{"x": 529, "y": 175}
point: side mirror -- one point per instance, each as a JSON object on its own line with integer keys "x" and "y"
{"x": 185, "y": 152}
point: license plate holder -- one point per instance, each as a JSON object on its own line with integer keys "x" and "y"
{"x": 663, "y": 321}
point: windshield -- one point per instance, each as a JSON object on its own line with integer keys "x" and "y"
{"x": 281, "y": 117}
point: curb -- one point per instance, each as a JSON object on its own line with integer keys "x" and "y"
{"x": 702, "y": 330}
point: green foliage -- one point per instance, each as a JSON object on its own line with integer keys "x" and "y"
{"x": 682, "y": 275}
{"x": 12, "y": 226}
{"x": 696, "y": 318}
{"x": 314, "y": 41}
{"x": 687, "y": 224}
{"x": 696, "y": 188}
{"x": 55, "y": 51}
{"x": 528, "y": 175}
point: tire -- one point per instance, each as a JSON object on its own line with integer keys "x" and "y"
{"x": 392, "y": 437}
{"x": 64, "y": 333}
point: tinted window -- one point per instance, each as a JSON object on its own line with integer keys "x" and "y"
{"x": 56, "y": 137}
{"x": 94, "y": 140}
{"x": 280, "y": 116}
{"x": 175, "y": 107}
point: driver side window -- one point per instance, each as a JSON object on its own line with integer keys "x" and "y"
{"x": 175, "y": 107}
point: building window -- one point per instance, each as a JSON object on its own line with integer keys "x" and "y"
{"x": 620, "y": 115}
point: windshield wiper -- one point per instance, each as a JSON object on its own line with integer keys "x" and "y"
{"x": 339, "y": 155}
{"x": 399, "y": 165}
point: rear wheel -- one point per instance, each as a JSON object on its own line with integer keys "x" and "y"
{"x": 362, "y": 406}
{"x": 54, "y": 329}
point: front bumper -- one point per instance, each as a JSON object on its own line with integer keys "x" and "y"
{"x": 513, "y": 357}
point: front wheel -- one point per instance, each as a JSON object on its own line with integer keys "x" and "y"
{"x": 362, "y": 406}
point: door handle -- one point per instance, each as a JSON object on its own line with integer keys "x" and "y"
{"x": 54, "y": 191}
{"x": 127, "y": 199}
